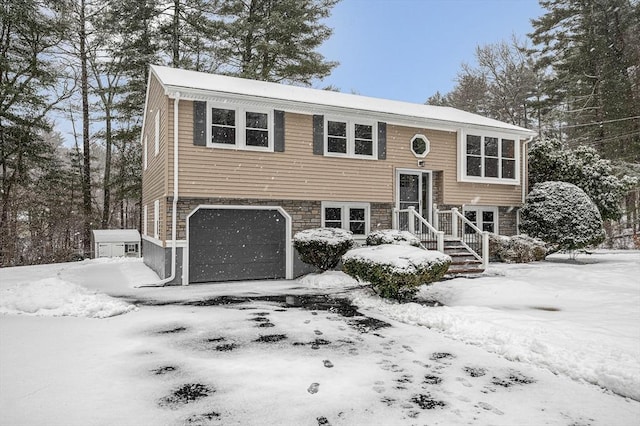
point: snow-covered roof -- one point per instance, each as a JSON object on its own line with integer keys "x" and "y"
{"x": 178, "y": 78}
{"x": 115, "y": 235}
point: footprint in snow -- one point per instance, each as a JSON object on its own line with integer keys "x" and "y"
{"x": 464, "y": 381}
{"x": 489, "y": 407}
{"x": 313, "y": 388}
{"x": 327, "y": 363}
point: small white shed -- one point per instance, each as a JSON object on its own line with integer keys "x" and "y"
{"x": 116, "y": 243}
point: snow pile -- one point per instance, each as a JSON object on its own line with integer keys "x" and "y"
{"x": 56, "y": 297}
{"x": 328, "y": 280}
{"x": 402, "y": 259}
{"x": 329, "y": 236}
{"x": 392, "y": 236}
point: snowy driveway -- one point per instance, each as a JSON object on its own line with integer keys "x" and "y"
{"x": 186, "y": 358}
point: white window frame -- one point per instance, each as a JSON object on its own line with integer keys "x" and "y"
{"x": 145, "y": 220}
{"x": 241, "y": 127}
{"x": 351, "y": 137}
{"x": 479, "y": 210}
{"x": 345, "y": 220}
{"x": 156, "y": 219}
{"x": 145, "y": 161}
{"x": 462, "y": 158}
{"x": 427, "y": 145}
{"x": 157, "y": 133}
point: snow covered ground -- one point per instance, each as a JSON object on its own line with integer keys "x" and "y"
{"x": 556, "y": 342}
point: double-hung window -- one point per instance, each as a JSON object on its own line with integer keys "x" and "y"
{"x": 240, "y": 128}
{"x": 350, "y": 138}
{"x": 489, "y": 158}
{"x": 353, "y": 217}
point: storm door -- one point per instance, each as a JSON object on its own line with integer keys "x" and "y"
{"x": 413, "y": 189}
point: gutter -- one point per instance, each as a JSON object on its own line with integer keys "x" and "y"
{"x": 174, "y": 213}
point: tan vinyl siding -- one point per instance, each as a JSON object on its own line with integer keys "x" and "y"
{"x": 297, "y": 174}
{"x": 154, "y": 182}
{"x": 443, "y": 157}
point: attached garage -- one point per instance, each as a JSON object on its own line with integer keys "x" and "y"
{"x": 233, "y": 243}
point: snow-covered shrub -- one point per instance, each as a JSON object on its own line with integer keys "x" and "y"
{"x": 322, "y": 247}
{"x": 516, "y": 249}
{"x": 497, "y": 246}
{"x": 583, "y": 167}
{"x": 392, "y": 236}
{"x": 563, "y": 216}
{"x": 395, "y": 271}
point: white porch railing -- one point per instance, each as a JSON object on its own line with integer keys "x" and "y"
{"x": 455, "y": 225}
{"x": 446, "y": 224}
{"x": 410, "y": 220}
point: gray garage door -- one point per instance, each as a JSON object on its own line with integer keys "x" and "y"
{"x": 236, "y": 244}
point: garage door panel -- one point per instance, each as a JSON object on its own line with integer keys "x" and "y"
{"x": 236, "y": 244}
{"x": 234, "y": 254}
{"x": 230, "y": 272}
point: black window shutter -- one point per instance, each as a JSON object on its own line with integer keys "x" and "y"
{"x": 382, "y": 140}
{"x": 199, "y": 123}
{"x": 318, "y": 134}
{"x": 278, "y": 131}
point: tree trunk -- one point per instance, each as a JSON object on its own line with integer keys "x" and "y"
{"x": 176, "y": 34}
{"x": 106, "y": 209}
{"x": 86, "y": 175}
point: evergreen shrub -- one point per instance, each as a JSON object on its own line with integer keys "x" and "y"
{"x": 563, "y": 216}
{"x": 323, "y": 247}
{"x": 392, "y": 236}
{"x": 516, "y": 249}
{"x": 395, "y": 271}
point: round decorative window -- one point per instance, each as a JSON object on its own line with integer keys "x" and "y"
{"x": 420, "y": 146}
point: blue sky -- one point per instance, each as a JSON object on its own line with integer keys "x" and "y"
{"x": 409, "y": 49}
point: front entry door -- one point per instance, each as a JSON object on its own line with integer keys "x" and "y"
{"x": 413, "y": 189}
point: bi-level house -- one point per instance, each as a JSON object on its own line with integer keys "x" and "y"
{"x": 234, "y": 167}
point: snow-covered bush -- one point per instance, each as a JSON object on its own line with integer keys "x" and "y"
{"x": 395, "y": 271}
{"x": 563, "y": 216}
{"x": 322, "y": 247}
{"x": 583, "y": 167}
{"x": 516, "y": 249}
{"x": 392, "y": 236}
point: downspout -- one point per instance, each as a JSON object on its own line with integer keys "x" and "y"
{"x": 525, "y": 167}
{"x": 174, "y": 213}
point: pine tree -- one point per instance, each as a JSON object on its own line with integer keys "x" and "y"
{"x": 273, "y": 40}
{"x": 29, "y": 88}
{"x": 591, "y": 48}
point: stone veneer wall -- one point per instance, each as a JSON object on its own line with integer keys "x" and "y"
{"x": 508, "y": 220}
{"x": 304, "y": 214}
